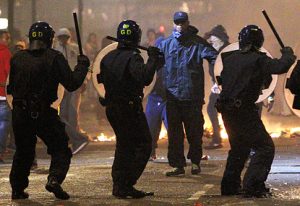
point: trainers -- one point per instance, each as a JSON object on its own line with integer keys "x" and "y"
{"x": 195, "y": 169}
{"x": 205, "y": 157}
{"x": 79, "y": 147}
{"x": 19, "y": 195}
{"x": 54, "y": 187}
{"x": 213, "y": 146}
{"x": 129, "y": 192}
{"x": 176, "y": 172}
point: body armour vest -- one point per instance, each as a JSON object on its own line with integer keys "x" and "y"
{"x": 115, "y": 75}
{"x": 32, "y": 75}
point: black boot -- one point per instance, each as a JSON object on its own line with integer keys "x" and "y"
{"x": 54, "y": 187}
{"x": 129, "y": 192}
{"x": 231, "y": 190}
{"x": 19, "y": 195}
{"x": 258, "y": 193}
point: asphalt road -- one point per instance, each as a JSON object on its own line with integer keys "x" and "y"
{"x": 89, "y": 181}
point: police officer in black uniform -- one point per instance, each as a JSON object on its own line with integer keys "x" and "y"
{"x": 242, "y": 79}
{"x": 34, "y": 77}
{"x": 124, "y": 76}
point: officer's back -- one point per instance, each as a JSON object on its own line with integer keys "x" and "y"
{"x": 37, "y": 71}
{"x": 244, "y": 78}
{"x": 123, "y": 71}
{"x": 245, "y": 70}
{"x": 32, "y": 72}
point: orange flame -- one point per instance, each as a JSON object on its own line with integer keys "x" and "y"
{"x": 163, "y": 132}
{"x": 103, "y": 138}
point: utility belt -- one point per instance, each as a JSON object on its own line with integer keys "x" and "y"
{"x": 132, "y": 104}
{"x": 33, "y": 107}
{"x": 229, "y": 104}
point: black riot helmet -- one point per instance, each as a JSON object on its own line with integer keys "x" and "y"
{"x": 40, "y": 35}
{"x": 251, "y": 37}
{"x": 129, "y": 31}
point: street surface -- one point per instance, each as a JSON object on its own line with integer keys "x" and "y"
{"x": 89, "y": 180}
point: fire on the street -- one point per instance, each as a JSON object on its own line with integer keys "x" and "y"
{"x": 104, "y": 138}
{"x": 163, "y": 133}
{"x": 208, "y": 132}
{"x": 286, "y": 133}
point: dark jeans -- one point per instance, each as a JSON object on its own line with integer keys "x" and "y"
{"x": 155, "y": 114}
{"x": 246, "y": 131}
{"x": 213, "y": 116}
{"x": 52, "y": 131}
{"x": 187, "y": 114}
{"x": 5, "y": 120}
{"x": 133, "y": 145}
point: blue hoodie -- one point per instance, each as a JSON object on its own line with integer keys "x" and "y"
{"x": 183, "y": 71}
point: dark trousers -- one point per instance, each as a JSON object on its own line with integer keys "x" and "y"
{"x": 184, "y": 115}
{"x": 155, "y": 114}
{"x": 133, "y": 146}
{"x": 213, "y": 116}
{"x": 246, "y": 131}
{"x": 52, "y": 131}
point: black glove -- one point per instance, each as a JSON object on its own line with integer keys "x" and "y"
{"x": 83, "y": 60}
{"x": 287, "y": 50}
{"x": 153, "y": 51}
{"x": 102, "y": 101}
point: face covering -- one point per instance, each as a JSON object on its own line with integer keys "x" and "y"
{"x": 177, "y": 31}
{"x": 178, "y": 28}
{"x": 215, "y": 42}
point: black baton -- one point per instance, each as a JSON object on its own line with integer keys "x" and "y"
{"x": 77, "y": 33}
{"x": 273, "y": 28}
{"x": 130, "y": 44}
{"x": 125, "y": 42}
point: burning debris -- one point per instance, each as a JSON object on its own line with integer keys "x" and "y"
{"x": 286, "y": 133}
{"x": 281, "y": 133}
{"x": 104, "y": 138}
{"x": 163, "y": 133}
{"x": 208, "y": 132}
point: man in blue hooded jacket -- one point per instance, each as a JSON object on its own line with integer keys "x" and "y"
{"x": 184, "y": 52}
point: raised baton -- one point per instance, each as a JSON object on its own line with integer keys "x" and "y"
{"x": 273, "y": 28}
{"x": 77, "y": 33}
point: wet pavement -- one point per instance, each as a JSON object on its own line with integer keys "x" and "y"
{"x": 89, "y": 180}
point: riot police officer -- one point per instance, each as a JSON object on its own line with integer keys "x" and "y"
{"x": 34, "y": 77}
{"x": 124, "y": 76}
{"x": 242, "y": 78}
